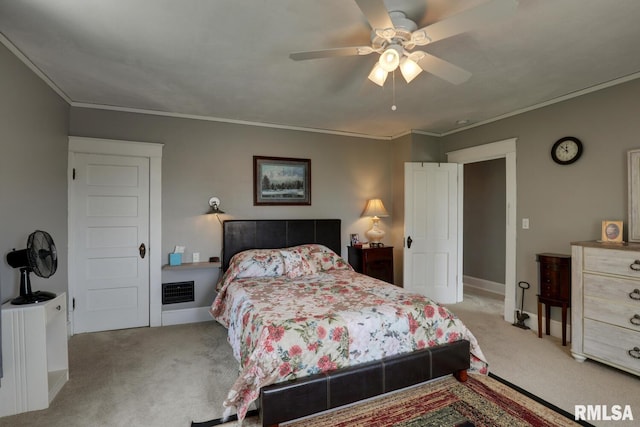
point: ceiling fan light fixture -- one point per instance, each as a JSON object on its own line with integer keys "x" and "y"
{"x": 409, "y": 69}
{"x": 390, "y": 58}
{"x": 378, "y": 75}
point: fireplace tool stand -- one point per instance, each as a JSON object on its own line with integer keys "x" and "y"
{"x": 521, "y": 316}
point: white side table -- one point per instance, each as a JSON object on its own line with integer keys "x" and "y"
{"x": 34, "y": 353}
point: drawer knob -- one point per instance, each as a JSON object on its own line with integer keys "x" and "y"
{"x": 635, "y": 353}
{"x": 635, "y": 294}
{"x": 635, "y": 320}
{"x": 58, "y": 307}
{"x": 636, "y": 265}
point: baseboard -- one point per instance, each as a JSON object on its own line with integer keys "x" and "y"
{"x": 555, "y": 326}
{"x": 532, "y": 322}
{"x": 185, "y": 315}
{"x": 484, "y": 285}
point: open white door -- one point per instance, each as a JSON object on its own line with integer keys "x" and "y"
{"x": 433, "y": 231}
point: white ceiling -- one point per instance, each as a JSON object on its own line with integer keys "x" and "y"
{"x": 229, "y": 59}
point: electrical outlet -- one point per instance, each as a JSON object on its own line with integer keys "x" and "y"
{"x": 196, "y": 257}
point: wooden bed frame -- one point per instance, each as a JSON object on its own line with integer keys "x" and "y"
{"x": 309, "y": 395}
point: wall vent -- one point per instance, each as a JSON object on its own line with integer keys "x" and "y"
{"x": 173, "y": 293}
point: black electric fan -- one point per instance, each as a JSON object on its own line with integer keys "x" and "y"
{"x": 40, "y": 257}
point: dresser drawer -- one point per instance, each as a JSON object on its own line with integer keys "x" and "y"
{"x": 374, "y": 262}
{"x": 611, "y": 344}
{"x": 608, "y": 299}
{"x": 378, "y": 254}
{"x": 607, "y": 311}
{"x": 616, "y": 289}
{"x": 611, "y": 261}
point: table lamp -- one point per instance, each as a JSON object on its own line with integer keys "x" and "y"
{"x": 375, "y": 209}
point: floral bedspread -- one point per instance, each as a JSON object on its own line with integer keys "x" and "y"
{"x": 283, "y": 326}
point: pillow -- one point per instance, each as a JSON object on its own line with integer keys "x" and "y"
{"x": 258, "y": 263}
{"x": 296, "y": 265}
{"x": 324, "y": 259}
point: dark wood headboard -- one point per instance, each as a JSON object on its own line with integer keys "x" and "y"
{"x": 241, "y": 234}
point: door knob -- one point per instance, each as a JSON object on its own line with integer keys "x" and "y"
{"x": 409, "y": 241}
{"x": 143, "y": 250}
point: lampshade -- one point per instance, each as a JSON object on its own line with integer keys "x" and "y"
{"x": 390, "y": 58}
{"x": 378, "y": 75}
{"x": 375, "y": 209}
{"x": 409, "y": 69}
{"x": 214, "y": 204}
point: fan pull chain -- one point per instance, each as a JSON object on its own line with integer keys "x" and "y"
{"x": 393, "y": 76}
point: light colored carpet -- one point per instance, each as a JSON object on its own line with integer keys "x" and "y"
{"x": 165, "y": 376}
{"x": 542, "y": 366}
{"x": 173, "y": 375}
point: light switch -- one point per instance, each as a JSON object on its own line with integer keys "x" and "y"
{"x": 525, "y": 223}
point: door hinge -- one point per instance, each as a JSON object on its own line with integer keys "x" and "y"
{"x": 73, "y": 303}
{"x": 74, "y": 174}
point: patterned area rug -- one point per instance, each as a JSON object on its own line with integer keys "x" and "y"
{"x": 481, "y": 401}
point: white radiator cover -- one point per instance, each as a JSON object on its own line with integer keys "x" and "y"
{"x": 35, "y": 355}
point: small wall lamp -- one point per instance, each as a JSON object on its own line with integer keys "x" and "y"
{"x": 214, "y": 203}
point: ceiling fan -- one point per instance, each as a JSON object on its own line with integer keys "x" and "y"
{"x": 394, "y": 36}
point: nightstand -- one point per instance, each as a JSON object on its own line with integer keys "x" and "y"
{"x": 555, "y": 289}
{"x": 374, "y": 262}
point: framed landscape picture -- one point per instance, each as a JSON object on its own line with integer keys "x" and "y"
{"x": 281, "y": 181}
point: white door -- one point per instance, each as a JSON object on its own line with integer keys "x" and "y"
{"x": 433, "y": 231}
{"x": 111, "y": 239}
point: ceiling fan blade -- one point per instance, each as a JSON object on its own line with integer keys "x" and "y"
{"x": 443, "y": 69}
{"x": 331, "y": 53}
{"x": 376, "y": 13}
{"x": 467, "y": 20}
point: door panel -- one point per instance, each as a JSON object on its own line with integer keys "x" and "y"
{"x": 111, "y": 213}
{"x": 432, "y": 263}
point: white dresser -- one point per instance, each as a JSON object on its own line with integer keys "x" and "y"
{"x": 34, "y": 354}
{"x": 605, "y": 304}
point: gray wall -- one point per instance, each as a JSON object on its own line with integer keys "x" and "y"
{"x": 33, "y": 170}
{"x": 484, "y": 220}
{"x": 565, "y": 203}
{"x": 202, "y": 159}
{"x": 206, "y": 158}
{"x": 33, "y": 179}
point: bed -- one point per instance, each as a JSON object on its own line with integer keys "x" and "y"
{"x": 311, "y": 334}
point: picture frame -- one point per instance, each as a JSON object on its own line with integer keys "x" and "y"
{"x": 612, "y": 231}
{"x": 281, "y": 181}
{"x": 355, "y": 239}
{"x": 633, "y": 188}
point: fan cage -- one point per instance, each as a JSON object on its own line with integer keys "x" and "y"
{"x": 42, "y": 254}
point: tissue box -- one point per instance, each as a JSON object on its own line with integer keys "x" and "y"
{"x": 175, "y": 259}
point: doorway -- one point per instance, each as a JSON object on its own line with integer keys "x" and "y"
{"x": 502, "y": 149}
{"x": 80, "y": 146}
{"x": 484, "y": 226}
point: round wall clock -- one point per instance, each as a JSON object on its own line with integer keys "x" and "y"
{"x": 566, "y": 150}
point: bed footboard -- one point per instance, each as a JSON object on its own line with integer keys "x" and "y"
{"x": 309, "y": 395}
